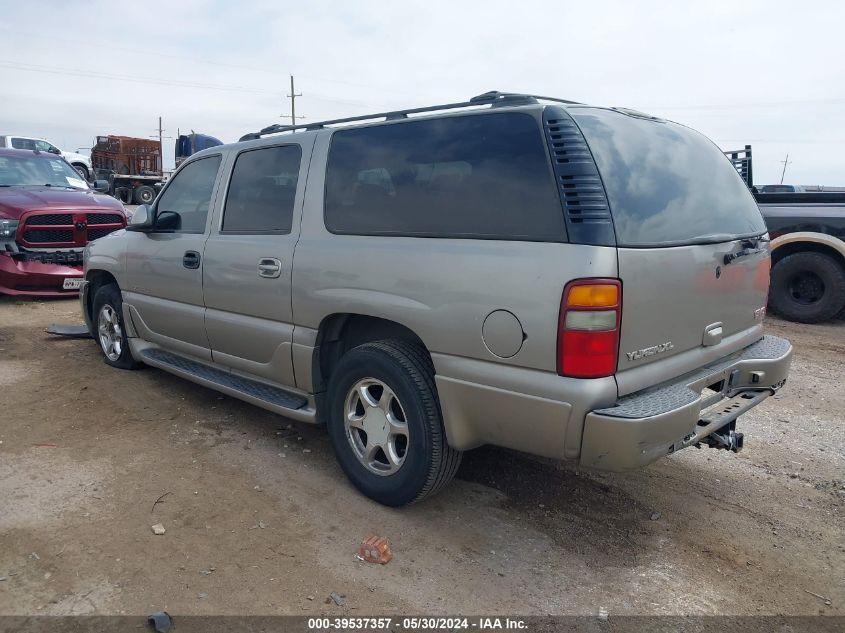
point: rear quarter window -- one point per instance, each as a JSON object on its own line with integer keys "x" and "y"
{"x": 666, "y": 184}
{"x": 482, "y": 176}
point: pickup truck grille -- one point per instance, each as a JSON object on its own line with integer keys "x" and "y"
{"x": 45, "y": 236}
{"x": 50, "y": 219}
{"x": 62, "y": 230}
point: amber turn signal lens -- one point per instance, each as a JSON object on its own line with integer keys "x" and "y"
{"x": 593, "y": 296}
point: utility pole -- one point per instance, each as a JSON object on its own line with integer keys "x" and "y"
{"x": 293, "y": 95}
{"x": 785, "y": 162}
{"x": 161, "y": 138}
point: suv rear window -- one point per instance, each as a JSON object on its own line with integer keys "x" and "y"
{"x": 666, "y": 184}
{"x": 478, "y": 176}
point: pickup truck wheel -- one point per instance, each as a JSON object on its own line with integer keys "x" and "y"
{"x": 144, "y": 194}
{"x": 385, "y": 424}
{"x": 807, "y": 287}
{"x": 82, "y": 170}
{"x": 110, "y": 330}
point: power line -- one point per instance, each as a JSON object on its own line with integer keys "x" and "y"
{"x": 762, "y": 104}
{"x": 272, "y": 71}
{"x": 75, "y": 72}
{"x": 143, "y": 80}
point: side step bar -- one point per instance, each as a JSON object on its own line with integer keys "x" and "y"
{"x": 271, "y": 397}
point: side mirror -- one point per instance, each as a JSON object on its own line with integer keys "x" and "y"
{"x": 142, "y": 220}
{"x": 56, "y": 151}
{"x": 102, "y": 186}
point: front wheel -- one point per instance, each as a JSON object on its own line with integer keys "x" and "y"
{"x": 111, "y": 332}
{"x": 385, "y": 424}
{"x": 807, "y": 287}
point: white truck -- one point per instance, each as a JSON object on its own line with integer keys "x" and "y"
{"x": 80, "y": 162}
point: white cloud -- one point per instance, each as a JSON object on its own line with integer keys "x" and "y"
{"x": 768, "y": 73}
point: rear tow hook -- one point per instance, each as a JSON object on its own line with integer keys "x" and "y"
{"x": 726, "y": 438}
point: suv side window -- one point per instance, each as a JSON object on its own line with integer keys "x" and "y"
{"x": 262, "y": 191}
{"x": 22, "y": 143}
{"x": 183, "y": 206}
{"x": 44, "y": 146}
{"x": 478, "y": 176}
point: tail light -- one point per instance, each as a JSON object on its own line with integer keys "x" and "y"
{"x": 588, "y": 333}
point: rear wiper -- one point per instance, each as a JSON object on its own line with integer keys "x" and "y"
{"x": 750, "y": 246}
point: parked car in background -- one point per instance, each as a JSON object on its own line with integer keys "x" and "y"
{"x": 79, "y": 162}
{"x": 512, "y": 270}
{"x": 47, "y": 216}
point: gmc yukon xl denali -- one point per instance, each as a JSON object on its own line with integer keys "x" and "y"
{"x": 576, "y": 282}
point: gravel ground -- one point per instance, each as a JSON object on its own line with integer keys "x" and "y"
{"x": 259, "y": 519}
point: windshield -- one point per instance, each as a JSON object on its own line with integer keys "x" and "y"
{"x": 667, "y": 184}
{"x": 31, "y": 169}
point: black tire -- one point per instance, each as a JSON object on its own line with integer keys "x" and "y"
{"x": 82, "y": 170}
{"x": 807, "y": 287}
{"x": 144, "y": 194}
{"x": 429, "y": 462}
{"x": 108, "y": 297}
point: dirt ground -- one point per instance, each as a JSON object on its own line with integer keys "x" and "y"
{"x": 259, "y": 519}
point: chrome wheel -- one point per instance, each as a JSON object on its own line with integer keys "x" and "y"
{"x": 376, "y": 426}
{"x": 111, "y": 334}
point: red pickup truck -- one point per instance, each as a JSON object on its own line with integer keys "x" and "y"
{"x": 47, "y": 216}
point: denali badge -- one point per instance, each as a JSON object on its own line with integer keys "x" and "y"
{"x": 760, "y": 314}
{"x": 649, "y": 351}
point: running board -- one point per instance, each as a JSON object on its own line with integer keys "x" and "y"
{"x": 272, "y": 396}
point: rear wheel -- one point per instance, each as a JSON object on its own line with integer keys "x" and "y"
{"x": 808, "y": 287}
{"x": 110, "y": 329}
{"x": 144, "y": 194}
{"x": 385, "y": 424}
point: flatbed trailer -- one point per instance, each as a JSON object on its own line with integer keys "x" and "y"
{"x": 132, "y": 166}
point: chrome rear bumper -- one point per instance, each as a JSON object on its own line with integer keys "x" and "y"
{"x": 660, "y": 420}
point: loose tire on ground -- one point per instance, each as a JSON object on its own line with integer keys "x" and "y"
{"x": 807, "y": 287}
{"x": 144, "y": 194}
{"x": 428, "y": 463}
{"x": 109, "y": 329}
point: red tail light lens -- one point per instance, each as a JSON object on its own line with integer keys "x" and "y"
{"x": 588, "y": 334}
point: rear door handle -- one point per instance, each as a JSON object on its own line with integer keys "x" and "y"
{"x": 191, "y": 259}
{"x": 269, "y": 267}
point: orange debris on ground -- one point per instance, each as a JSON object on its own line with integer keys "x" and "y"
{"x": 375, "y": 549}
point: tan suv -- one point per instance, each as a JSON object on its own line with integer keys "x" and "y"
{"x": 576, "y": 282}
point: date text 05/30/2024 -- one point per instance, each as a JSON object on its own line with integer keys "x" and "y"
{"x": 417, "y": 623}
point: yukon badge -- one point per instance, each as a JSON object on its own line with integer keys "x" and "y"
{"x": 649, "y": 351}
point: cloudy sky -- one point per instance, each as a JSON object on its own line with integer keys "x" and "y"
{"x": 744, "y": 71}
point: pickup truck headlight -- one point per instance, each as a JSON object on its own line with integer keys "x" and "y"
{"x": 8, "y": 228}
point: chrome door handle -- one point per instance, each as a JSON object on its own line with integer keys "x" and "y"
{"x": 269, "y": 267}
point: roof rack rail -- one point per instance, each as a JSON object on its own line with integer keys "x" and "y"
{"x": 493, "y": 98}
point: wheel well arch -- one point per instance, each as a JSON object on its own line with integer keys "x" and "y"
{"x": 806, "y": 246}
{"x": 340, "y": 332}
{"x": 96, "y": 279}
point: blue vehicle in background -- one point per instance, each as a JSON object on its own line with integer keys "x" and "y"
{"x": 189, "y": 144}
